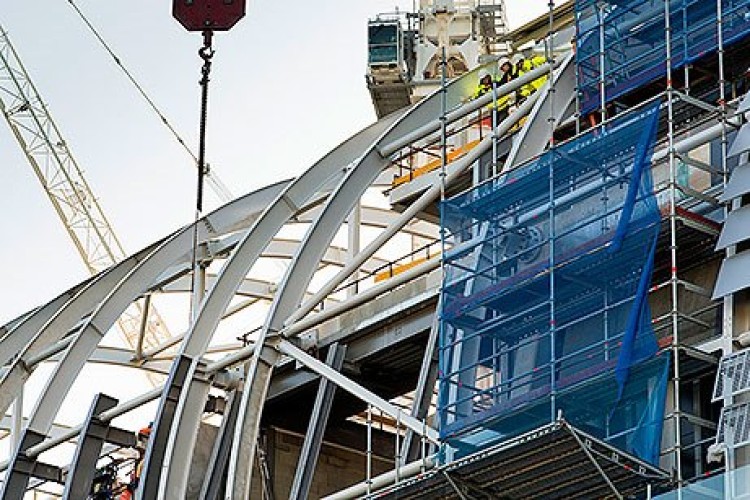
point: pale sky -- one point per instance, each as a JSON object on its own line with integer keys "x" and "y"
{"x": 288, "y": 85}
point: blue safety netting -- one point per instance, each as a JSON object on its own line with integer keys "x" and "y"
{"x": 627, "y": 38}
{"x": 545, "y": 296}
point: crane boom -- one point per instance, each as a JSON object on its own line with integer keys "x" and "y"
{"x": 70, "y": 194}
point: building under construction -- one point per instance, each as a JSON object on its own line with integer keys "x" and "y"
{"x": 536, "y": 291}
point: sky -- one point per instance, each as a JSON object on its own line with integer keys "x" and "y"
{"x": 287, "y": 86}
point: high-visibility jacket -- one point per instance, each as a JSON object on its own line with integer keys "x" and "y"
{"x": 524, "y": 67}
{"x": 502, "y": 101}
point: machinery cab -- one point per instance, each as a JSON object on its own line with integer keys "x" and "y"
{"x": 385, "y": 44}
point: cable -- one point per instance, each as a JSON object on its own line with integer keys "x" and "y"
{"x": 135, "y": 83}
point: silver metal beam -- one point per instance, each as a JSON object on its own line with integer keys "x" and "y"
{"x": 56, "y": 327}
{"x": 308, "y": 458}
{"x": 217, "y": 468}
{"x": 428, "y": 375}
{"x": 333, "y": 311}
{"x": 120, "y": 285}
{"x": 534, "y": 137}
{"x": 434, "y": 125}
{"x": 277, "y": 213}
{"x": 289, "y": 349}
{"x": 18, "y": 334}
{"x": 456, "y": 169}
{"x": 88, "y": 448}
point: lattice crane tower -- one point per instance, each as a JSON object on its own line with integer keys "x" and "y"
{"x": 70, "y": 194}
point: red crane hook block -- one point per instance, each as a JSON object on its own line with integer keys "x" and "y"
{"x": 208, "y": 15}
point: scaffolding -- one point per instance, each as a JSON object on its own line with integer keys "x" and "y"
{"x": 537, "y": 307}
{"x": 545, "y": 294}
{"x": 621, "y": 45}
{"x": 578, "y": 337}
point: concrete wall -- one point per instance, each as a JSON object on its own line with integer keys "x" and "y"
{"x": 337, "y": 468}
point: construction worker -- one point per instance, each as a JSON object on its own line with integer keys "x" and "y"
{"x": 142, "y": 437}
{"x": 505, "y": 102}
{"x": 522, "y": 66}
{"x": 507, "y": 71}
{"x": 486, "y": 84}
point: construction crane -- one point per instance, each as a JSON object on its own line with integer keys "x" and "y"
{"x": 63, "y": 181}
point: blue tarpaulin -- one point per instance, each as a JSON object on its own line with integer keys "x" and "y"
{"x": 545, "y": 295}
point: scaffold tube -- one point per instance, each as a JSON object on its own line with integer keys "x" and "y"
{"x": 466, "y": 109}
{"x": 384, "y": 480}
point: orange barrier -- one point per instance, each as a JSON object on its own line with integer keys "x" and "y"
{"x": 434, "y": 164}
{"x": 400, "y": 268}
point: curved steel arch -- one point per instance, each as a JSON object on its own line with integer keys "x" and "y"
{"x": 344, "y": 175}
{"x": 297, "y": 278}
{"x": 322, "y": 197}
{"x": 360, "y": 176}
{"x": 329, "y": 169}
{"x": 121, "y": 285}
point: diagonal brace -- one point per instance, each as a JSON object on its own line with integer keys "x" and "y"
{"x": 418, "y": 426}
{"x": 591, "y": 457}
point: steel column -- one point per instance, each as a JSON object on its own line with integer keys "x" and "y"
{"x": 22, "y": 468}
{"x": 90, "y": 441}
{"x": 308, "y": 458}
{"x": 157, "y": 444}
{"x": 428, "y": 375}
{"x": 214, "y": 481}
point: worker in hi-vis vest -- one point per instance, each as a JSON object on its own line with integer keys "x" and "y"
{"x": 487, "y": 82}
{"x": 522, "y": 66}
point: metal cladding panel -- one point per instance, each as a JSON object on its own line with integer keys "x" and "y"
{"x": 734, "y": 275}
{"x": 739, "y": 183}
{"x": 734, "y": 423}
{"x": 733, "y": 377}
{"x": 736, "y": 228}
{"x": 741, "y": 142}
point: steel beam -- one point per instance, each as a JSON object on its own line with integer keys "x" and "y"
{"x": 157, "y": 444}
{"x": 456, "y": 169}
{"x": 22, "y": 468}
{"x": 19, "y": 333}
{"x": 254, "y": 242}
{"x": 554, "y": 100}
{"x": 90, "y": 441}
{"x": 428, "y": 375}
{"x": 217, "y": 469}
{"x": 60, "y": 324}
{"x": 120, "y": 285}
{"x": 434, "y": 125}
{"x": 308, "y": 458}
{"x": 356, "y": 390}
{"x": 119, "y": 291}
{"x": 251, "y": 407}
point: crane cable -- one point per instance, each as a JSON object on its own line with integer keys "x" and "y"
{"x": 135, "y": 83}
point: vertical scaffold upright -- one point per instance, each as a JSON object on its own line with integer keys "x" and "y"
{"x": 677, "y": 427}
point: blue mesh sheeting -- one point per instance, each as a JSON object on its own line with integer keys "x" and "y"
{"x": 634, "y": 44}
{"x": 545, "y": 293}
